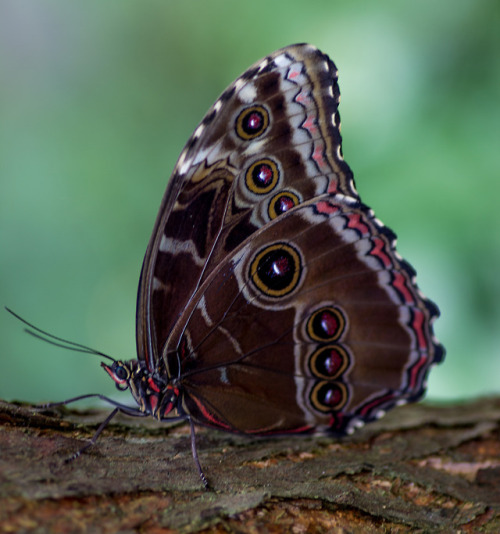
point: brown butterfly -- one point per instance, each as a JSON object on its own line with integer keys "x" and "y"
{"x": 271, "y": 300}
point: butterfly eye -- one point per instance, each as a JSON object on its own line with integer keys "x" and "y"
{"x": 121, "y": 372}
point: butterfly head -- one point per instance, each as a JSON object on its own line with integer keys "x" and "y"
{"x": 121, "y": 372}
{"x": 154, "y": 395}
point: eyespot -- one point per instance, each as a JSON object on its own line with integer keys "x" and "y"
{"x": 262, "y": 176}
{"x": 282, "y": 202}
{"x": 329, "y": 361}
{"x": 276, "y": 270}
{"x": 252, "y": 122}
{"x": 329, "y": 396}
{"x": 326, "y": 324}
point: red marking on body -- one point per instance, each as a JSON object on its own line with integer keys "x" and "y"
{"x": 400, "y": 284}
{"x": 323, "y": 206}
{"x": 168, "y": 408}
{"x": 379, "y": 252}
{"x": 153, "y": 386}
{"x": 171, "y": 404}
{"x": 310, "y": 124}
{"x": 356, "y": 223}
{"x": 318, "y": 154}
{"x": 153, "y": 402}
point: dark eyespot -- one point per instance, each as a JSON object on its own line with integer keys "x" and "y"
{"x": 262, "y": 176}
{"x": 282, "y": 202}
{"x": 252, "y": 122}
{"x": 329, "y": 361}
{"x": 276, "y": 270}
{"x": 326, "y": 324}
{"x": 329, "y": 396}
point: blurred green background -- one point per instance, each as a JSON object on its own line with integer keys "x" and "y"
{"x": 98, "y": 98}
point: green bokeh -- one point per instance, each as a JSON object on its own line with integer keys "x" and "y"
{"x": 98, "y": 98}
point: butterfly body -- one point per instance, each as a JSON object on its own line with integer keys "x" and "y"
{"x": 271, "y": 299}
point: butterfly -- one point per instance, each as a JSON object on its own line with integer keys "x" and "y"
{"x": 271, "y": 300}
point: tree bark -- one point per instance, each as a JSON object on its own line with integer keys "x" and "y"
{"x": 420, "y": 468}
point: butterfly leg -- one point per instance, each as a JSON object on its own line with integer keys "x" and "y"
{"x": 129, "y": 410}
{"x": 194, "y": 451}
{"x": 94, "y": 438}
{"x": 118, "y": 408}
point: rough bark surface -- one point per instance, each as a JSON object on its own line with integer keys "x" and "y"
{"x": 421, "y": 468}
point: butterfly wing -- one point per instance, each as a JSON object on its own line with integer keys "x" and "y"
{"x": 314, "y": 323}
{"x": 269, "y": 293}
{"x": 270, "y": 142}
